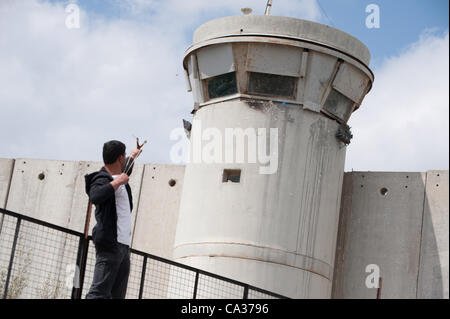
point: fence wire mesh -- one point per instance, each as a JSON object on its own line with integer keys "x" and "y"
{"x": 39, "y": 260}
{"x": 213, "y": 288}
{"x": 34, "y": 259}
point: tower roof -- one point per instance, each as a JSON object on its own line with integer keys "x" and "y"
{"x": 284, "y": 27}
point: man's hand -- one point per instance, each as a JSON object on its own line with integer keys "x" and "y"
{"x": 135, "y": 153}
{"x": 122, "y": 179}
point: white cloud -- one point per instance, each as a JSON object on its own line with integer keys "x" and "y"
{"x": 192, "y": 10}
{"x": 403, "y": 123}
{"x": 63, "y": 92}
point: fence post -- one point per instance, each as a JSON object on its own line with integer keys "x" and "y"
{"x": 380, "y": 284}
{"x": 144, "y": 267}
{"x": 76, "y": 278}
{"x": 83, "y": 245}
{"x": 245, "y": 292}
{"x": 195, "y": 285}
{"x": 82, "y": 254}
{"x": 11, "y": 259}
{"x": 83, "y": 263}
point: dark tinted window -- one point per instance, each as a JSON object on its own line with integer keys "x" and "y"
{"x": 271, "y": 84}
{"x": 222, "y": 85}
{"x": 231, "y": 175}
{"x": 338, "y": 104}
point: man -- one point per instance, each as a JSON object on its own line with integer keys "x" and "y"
{"x": 109, "y": 191}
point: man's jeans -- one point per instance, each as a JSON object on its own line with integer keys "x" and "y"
{"x": 110, "y": 274}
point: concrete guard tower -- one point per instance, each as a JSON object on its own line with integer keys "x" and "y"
{"x": 275, "y": 231}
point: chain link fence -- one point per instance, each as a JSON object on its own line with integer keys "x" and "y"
{"x": 39, "y": 260}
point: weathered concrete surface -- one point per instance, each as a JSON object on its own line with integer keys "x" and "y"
{"x": 54, "y": 191}
{"x": 285, "y": 219}
{"x": 386, "y": 230}
{"x": 321, "y": 75}
{"x": 49, "y": 198}
{"x": 288, "y": 218}
{"x": 80, "y": 201}
{"x": 433, "y": 273}
{"x": 6, "y": 166}
{"x": 59, "y": 197}
{"x": 373, "y": 229}
{"x": 43, "y": 190}
{"x": 274, "y": 277}
{"x": 379, "y": 229}
{"x": 283, "y": 26}
{"x": 157, "y": 215}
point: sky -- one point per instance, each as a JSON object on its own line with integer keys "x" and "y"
{"x": 65, "y": 91}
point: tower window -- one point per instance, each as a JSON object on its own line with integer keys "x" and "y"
{"x": 271, "y": 84}
{"x": 338, "y": 104}
{"x": 222, "y": 85}
{"x": 231, "y": 175}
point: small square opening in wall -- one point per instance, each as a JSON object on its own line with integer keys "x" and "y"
{"x": 231, "y": 175}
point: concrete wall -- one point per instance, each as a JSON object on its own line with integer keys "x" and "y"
{"x": 399, "y": 222}
{"x": 433, "y": 269}
{"x": 154, "y": 231}
{"x": 49, "y": 198}
{"x": 6, "y": 166}
{"x": 60, "y": 198}
{"x": 405, "y": 232}
{"x": 284, "y": 223}
{"x": 54, "y": 192}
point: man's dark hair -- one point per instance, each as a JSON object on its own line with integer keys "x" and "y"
{"x": 112, "y": 150}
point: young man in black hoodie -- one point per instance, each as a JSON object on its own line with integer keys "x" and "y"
{"x": 109, "y": 191}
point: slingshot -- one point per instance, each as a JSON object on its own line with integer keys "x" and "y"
{"x": 130, "y": 160}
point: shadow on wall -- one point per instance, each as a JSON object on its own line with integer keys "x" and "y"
{"x": 396, "y": 223}
{"x": 434, "y": 260}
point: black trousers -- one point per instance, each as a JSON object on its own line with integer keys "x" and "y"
{"x": 111, "y": 272}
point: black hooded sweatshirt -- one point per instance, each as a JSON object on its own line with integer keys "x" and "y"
{"x": 101, "y": 193}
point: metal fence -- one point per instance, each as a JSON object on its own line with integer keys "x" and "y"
{"x": 46, "y": 261}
